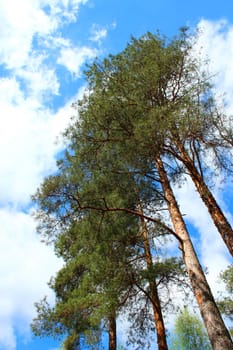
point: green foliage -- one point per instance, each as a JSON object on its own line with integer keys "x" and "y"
{"x": 93, "y": 282}
{"x": 225, "y": 304}
{"x": 227, "y": 277}
{"x": 146, "y": 101}
{"x": 189, "y": 333}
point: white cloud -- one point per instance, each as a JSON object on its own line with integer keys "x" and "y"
{"x": 28, "y": 126}
{"x": 216, "y": 43}
{"x": 18, "y": 27}
{"x": 39, "y": 80}
{"x": 25, "y": 268}
{"x": 21, "y": 21}
{"x": 7, "y": 336}
{"x": 74, "y": 57}
{"x": 212, "y": 250}
{"x": 98, "y": 33}
{"x": 31, "y": 39}
{"x": 27, "y": 142}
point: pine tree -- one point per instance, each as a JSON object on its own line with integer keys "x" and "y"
{"x": 225, "y": 303}
{"x": 136, "y": 106}
{"x": 140, "y": 103}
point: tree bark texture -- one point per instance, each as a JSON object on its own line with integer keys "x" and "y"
{"x": 112, "y": 333}
{"x": 218, "y": 334}
{"x": 207, "y": 197}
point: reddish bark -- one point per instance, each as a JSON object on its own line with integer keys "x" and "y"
{"x": 154, "y": 297}
{"x": 207, "y": 197}
{"x": 216, "y": 329}
{"x": 112, "y": 333}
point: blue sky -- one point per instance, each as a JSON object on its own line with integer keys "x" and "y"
{"x": 44, "y": 47}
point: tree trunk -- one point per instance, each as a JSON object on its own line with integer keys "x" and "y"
{"x": 154, "y": 297}
{"x": 206, "y": 195}
{"x": 159, "y": 324}
{"x": 216, "y": 329}
{"x": 112, "y": 333}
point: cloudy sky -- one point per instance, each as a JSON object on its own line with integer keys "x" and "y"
{"x": 44, "y": 45}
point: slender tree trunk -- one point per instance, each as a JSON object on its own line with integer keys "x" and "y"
{"x": 156, "y": 305}
{"x": 112, "y": 333}
{"x": 159, "y": 324}
{"x": 206, "y": 195}
{"x": 216, "y": 329}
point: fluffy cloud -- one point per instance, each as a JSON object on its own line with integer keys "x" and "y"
{"x": 73, "y": 58}
{"x": 27, "y": 154}
{"x": 21, "y": 21}
{"x": 24, "y": 271}
{"x": 31, "y": 42}
{"x": 217, "y": 258}
{"x": 98, "y": 33}
{"x": 27, "y": 142}
{"x": 215, "y": 42}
